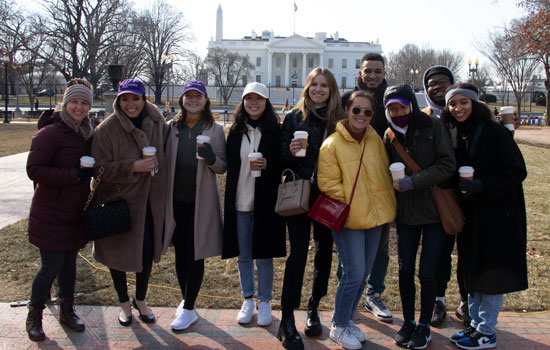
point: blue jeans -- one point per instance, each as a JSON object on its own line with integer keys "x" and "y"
{"x": 357, "y": 250}
{"x": 245, "y": 227}
{"x": 484, "y": 310}
{"x": 408, "y": 240}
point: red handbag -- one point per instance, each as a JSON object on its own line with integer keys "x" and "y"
{"x": 331, "y": 212}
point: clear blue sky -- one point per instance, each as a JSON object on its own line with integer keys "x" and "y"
{"x": 441, "y": 24}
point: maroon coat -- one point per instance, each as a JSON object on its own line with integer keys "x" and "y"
{"x": 55, "y": 220}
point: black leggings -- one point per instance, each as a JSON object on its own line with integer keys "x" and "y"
{"x": 142, "y": 278}
{"x": 190, "y": 272}
{"x": 54, "y": 264}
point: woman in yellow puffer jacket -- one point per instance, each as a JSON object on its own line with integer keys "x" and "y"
{"x": 373, "y": 205}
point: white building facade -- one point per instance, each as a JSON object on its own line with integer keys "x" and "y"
{"x": 286, "y": 61}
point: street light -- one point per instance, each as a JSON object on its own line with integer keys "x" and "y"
{"x": 414, "y": 74}
{"x": 6, "y": 61}
{"x": 471, "y": 70}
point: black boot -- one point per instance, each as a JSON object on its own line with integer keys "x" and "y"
{"x": 34, "y": 324}
{"x": 313, "y": 323}
{"x": 68, "y": 317}
{"x": 288, "y": 334}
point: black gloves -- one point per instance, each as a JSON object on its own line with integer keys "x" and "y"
{"x": 469, "y": 187}
{"x": 207, "y": 153}
{"x": 405, "y": 184}
{"x": 85, "y": 174}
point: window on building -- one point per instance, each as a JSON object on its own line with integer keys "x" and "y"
{"x": 294, "y": 62}
{"x": 344, "y": 63}
{"x": 258, "y": 78}
{"x": 357, "y": 63}
{"x": 244, "y": 80}
{"x": 277, "y": 80}
{"x": 310, "y": 62}
{"x": 278, "y": 62}
{"x": 258, "y": 61}
{"x": 344, "y": 81}
{"x": 331, "y": 62}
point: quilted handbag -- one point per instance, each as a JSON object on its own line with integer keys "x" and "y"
{"x": 105, "y": 219}
{"x": 292, "y": 196}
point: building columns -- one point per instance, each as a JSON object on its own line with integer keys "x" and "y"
{"x": 304, "y": 65}
{"x": 269, "y": 67}
{"x": 287, "y": 69}
{"x": 321, "y": 58}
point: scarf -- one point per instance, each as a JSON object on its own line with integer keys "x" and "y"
{"x": 84, "y": 129}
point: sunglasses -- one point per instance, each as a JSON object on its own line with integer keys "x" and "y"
{"x": 357, "y": 110}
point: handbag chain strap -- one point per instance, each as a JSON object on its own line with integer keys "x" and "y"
{"x": 357, "y": 176}
{"x": 404, "y": 155}
{"x": 95, "y": 184}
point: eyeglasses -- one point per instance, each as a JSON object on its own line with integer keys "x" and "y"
{"x": 366, "y": 112}
{"x": 439, "y": 82}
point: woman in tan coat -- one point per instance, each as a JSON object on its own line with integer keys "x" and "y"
{"x": 117, "y": 147}
{"x": 193, "y": 211}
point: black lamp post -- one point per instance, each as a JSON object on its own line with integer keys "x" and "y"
{"x": 115, "y": 74}
{"x": 472, "y": 70}
{"x": 6, "y": 61}
{"x": 414, "y": 74}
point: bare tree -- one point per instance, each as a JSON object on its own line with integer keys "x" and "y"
{"x": 515, "y": 65}
{"x": 402, "y": 66}
{"x": 10, "y": 44}
{"x": 162, "y": 32}
{"x": 227, "y": 67}
{"x": 194, "y": 67}
{"x": 533, "y": 32}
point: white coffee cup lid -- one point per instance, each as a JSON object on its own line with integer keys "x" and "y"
{"x": 203, "y": 137}
{"x": 254, "y": 155}
{"x": 149, "y": 150}
{"x": 397, "y": 166}
{"x": 465, "y": 169}
{"x": 300, "y": 134}
{"x": 507, "y": 110}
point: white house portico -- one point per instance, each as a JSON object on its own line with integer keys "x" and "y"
{"x": 286, "y": 61}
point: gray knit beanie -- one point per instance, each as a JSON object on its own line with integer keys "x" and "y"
{"x": 78, "y": 91}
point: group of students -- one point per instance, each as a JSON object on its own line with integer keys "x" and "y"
{"x": 174, "y": 200}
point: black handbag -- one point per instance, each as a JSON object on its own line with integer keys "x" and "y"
{"x": 105, "y": 219}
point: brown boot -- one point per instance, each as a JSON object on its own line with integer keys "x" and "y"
{"x": 68, "y": 317}
{"x": 34, "y": 324}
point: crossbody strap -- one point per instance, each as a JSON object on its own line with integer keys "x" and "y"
{"x": 357, "y": 176}
{"x": 404, "y": 155}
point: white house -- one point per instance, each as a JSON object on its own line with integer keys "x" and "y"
{"x": 286, "y": 61}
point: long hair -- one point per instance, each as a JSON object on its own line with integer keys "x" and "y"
{"x": 206, "y": 114}
{"x": 480, "y": 111}
{"x": 268, "y": 120}
{"x": 335, "y": 111}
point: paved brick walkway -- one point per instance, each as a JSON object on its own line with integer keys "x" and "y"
{"x": 16, "y": 189}
{"x": 217, "y": 329}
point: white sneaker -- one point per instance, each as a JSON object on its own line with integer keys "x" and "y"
{"x": 183, "y": 321}
{"x": 343, "y": 337}
{"x": 247, "y": 311}
{"x": 179, "y": 310}
{"x": 375, "y": 305}
{"x": 356, "y": 332}
{"x": 264, "y": 313}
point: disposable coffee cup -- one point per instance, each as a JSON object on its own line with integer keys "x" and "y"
{"x": 466, "y": 172}
{"x": 397, "y": 170}
{"x": 302, "y": 136}
{"x": 254, "y": 170}
{"x": 200, "y": 140}
{"x": 507, "y": 114}
{"x": 150, "y": 152}
{"x": 87, "y": 162}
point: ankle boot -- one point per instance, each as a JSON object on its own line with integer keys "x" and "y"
{"x": 34, "y": 324}
{"x": 288, "y": 334}
{"x": 68, "y": 317}
{"x": 313, "y": 323}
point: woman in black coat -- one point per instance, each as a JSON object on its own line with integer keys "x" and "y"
{"x": 252, "y": 229}
{"x": 492, "y": 247}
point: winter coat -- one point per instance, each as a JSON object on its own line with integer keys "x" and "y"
{"x": 303, "y": 167}
{"x": 55, "y": 220}
{"x": 430, "y": 146}
{"x": 117, "y": 145}
{"x": 268, "y": 237}
{"x": 492, "y": 247}
{"x": 379, "y": 122}
{"x": 208, "y": 235}
{"x": 374, "y": 199}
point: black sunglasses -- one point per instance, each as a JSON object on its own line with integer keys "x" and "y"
{"x": 357, "y": 110}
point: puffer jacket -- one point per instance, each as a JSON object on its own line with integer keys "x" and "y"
{"x": 303, "y": 166}
{"x": 374, "y": 199}
{"x": 429, "y": 144}
{"x": 55, "y": 220}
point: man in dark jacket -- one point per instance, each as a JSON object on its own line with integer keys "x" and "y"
{"x": 372, "y": 79}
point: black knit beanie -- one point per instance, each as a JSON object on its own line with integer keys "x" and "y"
{"x": 438, "y": 70}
